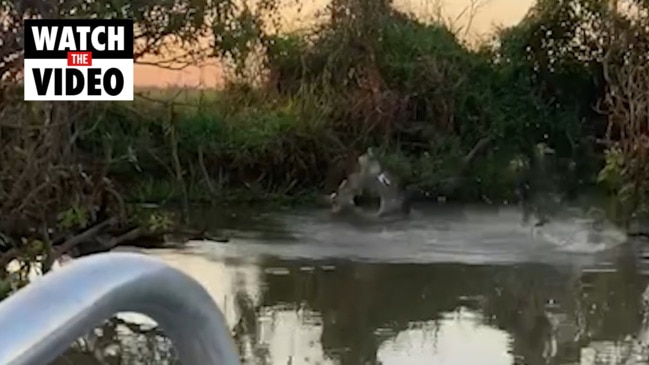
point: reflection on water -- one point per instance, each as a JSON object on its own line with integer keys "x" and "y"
{"x": 458, "y": 338}
{"x": 379, "y": 308}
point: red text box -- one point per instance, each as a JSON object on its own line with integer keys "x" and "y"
{"x": 79, "y": 58}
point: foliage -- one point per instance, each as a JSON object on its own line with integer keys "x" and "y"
{"x": 160, "y": 26}
{"x": 566, "y": 75}
{"x": 627, "y": 105}
{"x": 375, "y": 76}
{"x": 49, "y": 189}
{"x": 159, "y": 222}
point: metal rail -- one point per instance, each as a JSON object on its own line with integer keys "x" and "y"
{"x": 40, "y": 321}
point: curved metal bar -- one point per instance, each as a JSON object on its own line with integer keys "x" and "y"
{"x": 40, "y": 321}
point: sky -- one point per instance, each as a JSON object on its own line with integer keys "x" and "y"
{"x": 490, "y": 14}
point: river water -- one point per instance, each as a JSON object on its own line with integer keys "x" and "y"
{"x": 453, "y": 285}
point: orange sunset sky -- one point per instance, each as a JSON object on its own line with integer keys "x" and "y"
{"x": 490, "y": 14}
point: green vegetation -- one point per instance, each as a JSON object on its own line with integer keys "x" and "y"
{"x": 383, "y": 79}
{"x": 571, "y": 75}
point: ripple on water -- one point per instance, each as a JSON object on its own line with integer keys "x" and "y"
{"x": 308, "y": 311}
{"x": 477, "y": 236}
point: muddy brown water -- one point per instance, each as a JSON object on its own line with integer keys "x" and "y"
{"x": 452, "y": 285}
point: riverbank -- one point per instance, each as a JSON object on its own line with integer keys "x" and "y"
{"x": 513, "y": 118}
{"x": 414, "y": 91}
{"x": 256, "y": 146}
{"x": 424, "y": 99}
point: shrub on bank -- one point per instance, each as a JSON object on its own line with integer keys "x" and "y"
{"x": 411, "y": 89}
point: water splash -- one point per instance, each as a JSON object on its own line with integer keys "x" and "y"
{"x": 473, "y": 235}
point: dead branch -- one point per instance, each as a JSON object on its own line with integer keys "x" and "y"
{"x": 626, "y": 102}
{"x": 477, "y": 149}
{"x": 85, "y": 236}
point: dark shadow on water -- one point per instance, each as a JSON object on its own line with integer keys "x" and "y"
{"x": 332, "y": 309}
{"x": 357, "y": 300}
{"x": 362, "y": 306}
{"x": 248, "y": 222}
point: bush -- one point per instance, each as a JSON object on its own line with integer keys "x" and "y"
{"x": 375, "y": 76}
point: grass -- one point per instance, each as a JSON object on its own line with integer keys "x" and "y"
{"x": 412, "y": 90}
